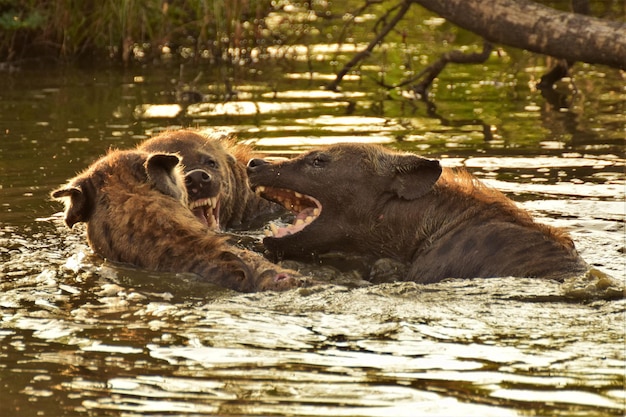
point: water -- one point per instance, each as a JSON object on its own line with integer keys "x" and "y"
{"x": 80, "y": 336}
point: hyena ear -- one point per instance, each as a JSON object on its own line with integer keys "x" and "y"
{"x": 413, "y": 176}
{"x": 77, "y": 203}
{"x": 164, "y": 173}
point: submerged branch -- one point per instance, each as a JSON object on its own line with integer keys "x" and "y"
{"x": 560, "y": 70}
{"x": 562, "y": 66}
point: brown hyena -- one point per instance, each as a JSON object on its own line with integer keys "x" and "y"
{"x": 441, "y": 223}
{"x": 216, "y": 179}
{"x": 135, "y": 207}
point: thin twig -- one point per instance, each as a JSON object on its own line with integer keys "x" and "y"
{"x": 349, "y": 23}
{"x": 457, "y": 57}
{"x": 367, "y": 51}
{"x": 432, "y": 71}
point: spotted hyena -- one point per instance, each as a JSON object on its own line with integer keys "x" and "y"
{"x": 440, "y": 223}
{"x": 135, "y": 205}
{"x": 216, "y": 179}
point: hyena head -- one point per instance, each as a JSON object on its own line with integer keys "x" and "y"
{"x": 86, "y": 193}
{"x": 207, "y": 166}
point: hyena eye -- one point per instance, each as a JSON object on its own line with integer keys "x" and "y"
{"x": 319, "y": 160}
{"x": 209, "y": 163}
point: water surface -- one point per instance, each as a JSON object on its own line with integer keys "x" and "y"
{"x": 80, "y": 336}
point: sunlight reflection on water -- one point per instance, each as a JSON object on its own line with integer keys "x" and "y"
{"x": 304, "y": 142}
{"x": 249, "y": 108}
{"x": 81, "y": 336}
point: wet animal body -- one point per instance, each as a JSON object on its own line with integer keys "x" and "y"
{"x": 215, "y": 178}
{"x": 441, "y": 223}
{"x": 135, "y": 206}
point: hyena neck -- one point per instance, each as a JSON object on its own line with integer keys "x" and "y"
{"x": 402, "y": 227}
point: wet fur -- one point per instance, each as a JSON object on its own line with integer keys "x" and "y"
{"x": 466, "y": 229}
{"x": 240, "y": 208}
{"x": 134, "y": 204}
{"x": 442, "y": 223}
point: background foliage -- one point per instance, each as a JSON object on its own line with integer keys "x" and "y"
{"x": 127, "y": 29}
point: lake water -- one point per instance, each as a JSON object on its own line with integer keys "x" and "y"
{"x": 80, "y": 336}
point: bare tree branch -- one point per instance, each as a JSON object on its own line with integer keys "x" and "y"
{"x": 406, "y": 4}
{"x": 351, "y": 21}
{"x": 457, "y": 57}
{"x": 528, "y": 25}
{"x": 432, "y": 71}
{"x": 524, "y": 24}
{"x": 562, "y": 66}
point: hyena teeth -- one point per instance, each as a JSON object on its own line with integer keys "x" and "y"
{"x": 297, "y": 194}
{"x": 267, "y": 233}
{"x": 210, "y": 202}
{"x": 316, "y": 212}
{"x": 299, "y": 222}
{"x": 273, "y": 228}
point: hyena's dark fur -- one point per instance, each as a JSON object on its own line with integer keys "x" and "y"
{"x": 440, "y": 223}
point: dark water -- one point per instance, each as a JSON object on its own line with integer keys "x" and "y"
{"x": 79, "y": 336}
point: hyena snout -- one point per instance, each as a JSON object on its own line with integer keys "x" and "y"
{"x": 198, "y": 181}
{"x": 256, "y": 162}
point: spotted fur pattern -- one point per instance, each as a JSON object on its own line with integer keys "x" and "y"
{"x": 135, "y": 207}
{"x": 225, "y": 161}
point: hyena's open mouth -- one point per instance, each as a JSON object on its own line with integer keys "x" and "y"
{"x": 305, "y": 208}
{"x": 207, "y": 210}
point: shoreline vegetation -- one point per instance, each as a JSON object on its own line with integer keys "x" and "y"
{"x": 126, "y": 31}
{"x": 245, "y": 32}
